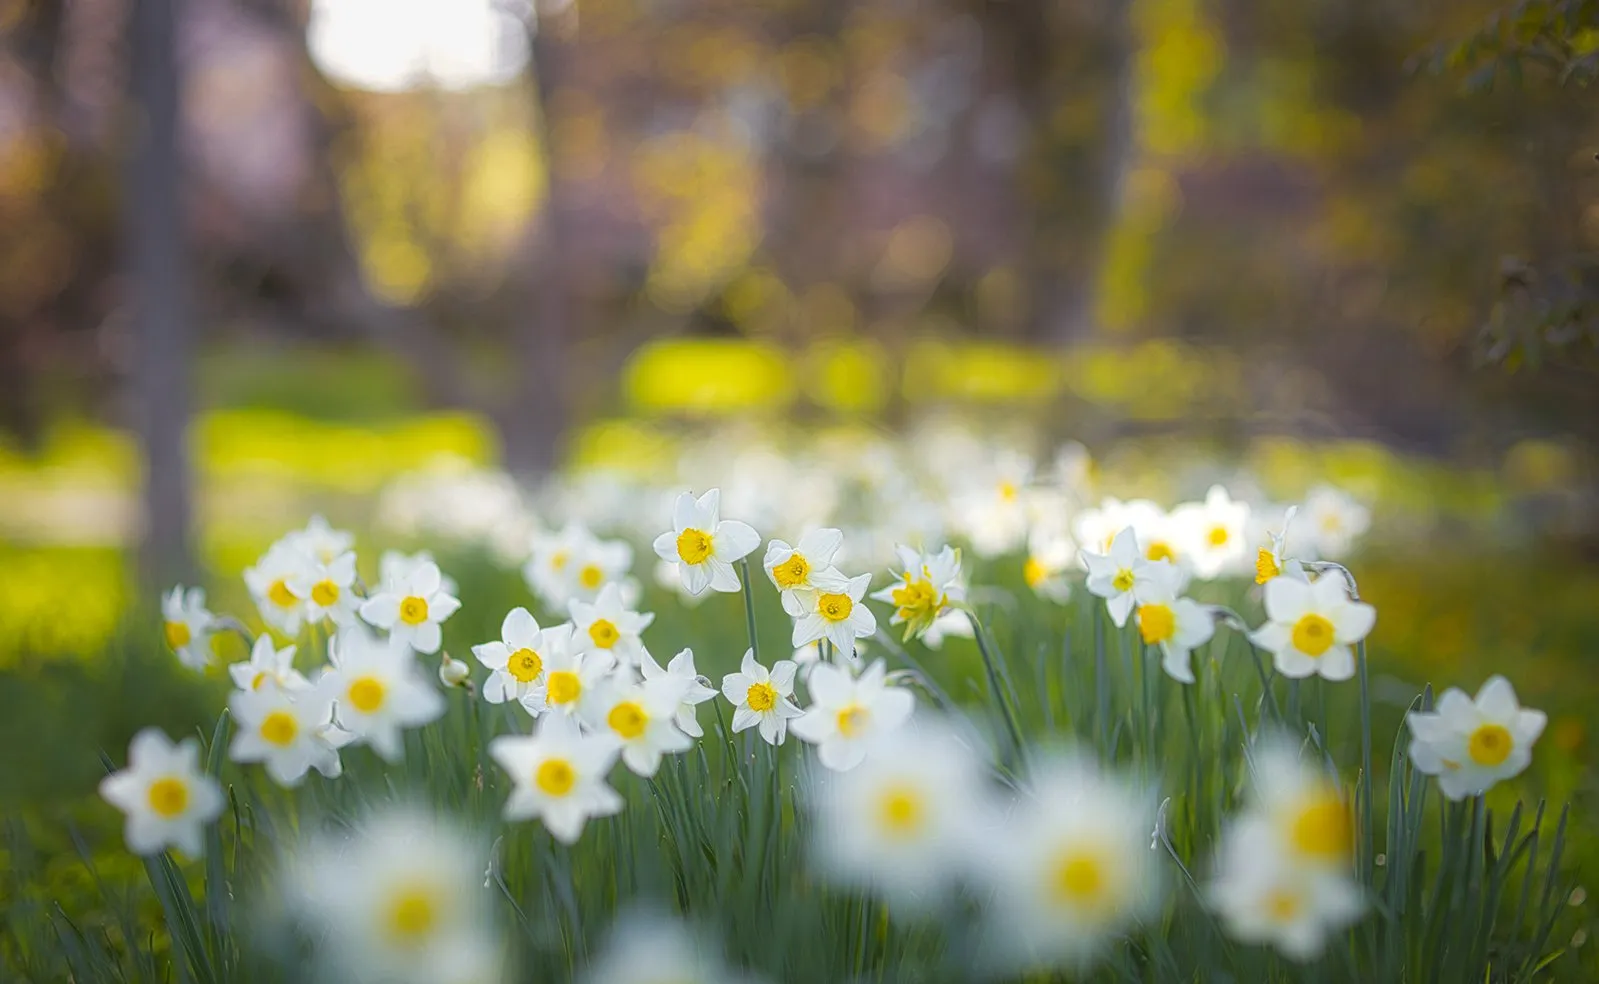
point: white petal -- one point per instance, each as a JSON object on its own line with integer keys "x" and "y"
{"x": 735, "y": 540}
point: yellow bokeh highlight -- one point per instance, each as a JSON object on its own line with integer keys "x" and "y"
{"x": 979, "y": 372}
{"x": 848, "y": 376}
{"x": 699, "y": 376}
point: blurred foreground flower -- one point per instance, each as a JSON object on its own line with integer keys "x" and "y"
{"x": 850, "y": 712}
{"x": 559, "y": 776}
{"x": 164, "y": 794}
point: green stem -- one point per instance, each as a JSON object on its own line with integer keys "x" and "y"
{"x": 749, "y": 608}
{"x": 1011, "y": 726}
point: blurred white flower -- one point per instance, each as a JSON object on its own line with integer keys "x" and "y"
{"x": 1332, "y": 521}
{"x": 1311, "y": 626}
{"x": 379, "y": 690}
{"x": 1305, "y": 818}
{"x": 1213, "y": 533}
{"x": 1470, "y": 744}
{"x": 320, "y": 541}
{"x": 328, "y": 588}
{"x": 289, "y": 733}
{"x": 694, "y": 688}
{"x": 395, "y": 567}
{"x": 848, "y": 712}
{"x": 703, "y": 545}
{"x": 572, "y": 679}
{"x": 164, "y": 794}
{"x": 1125, "y": 577}
{"x": 608, "y": 625}
{"x": 992, "y": 511}
{"x": 595, "y": 565}
{"x": 1262, "y": 897}
{"x": 559, "y": 775}
{"x": 188, "y": 626}
{"x": 762, "y": 698}
{"x": 905, "y": 821}
{"x": 271, "y": 583}
{"x": 928, "y": 584}
{"x": 1049, "y": 557}
{"x": 951, "y": 623}
{"x": 268, "y": 666}
{"x": 1178, "y": 626}
{"x": 1270, "y": 561}
{"x": 646, "y": 949}
{"x": 643, "y": 717}
{"x": 412, "y": 608}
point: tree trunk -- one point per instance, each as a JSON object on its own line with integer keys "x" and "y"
{"x": 156, "y": 271}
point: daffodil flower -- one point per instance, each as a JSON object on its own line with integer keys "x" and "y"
{"x": 1472, "y": 743}
{"x": 290, "y": 734}
{"x": 411, "y": 608}
{"x": 268, "y": 666}
{"x": 703, "y": 545}
{"x": 188, "y": 626}
{"x": 833, "y": 611}
{"x": 849, "y": 711}
{"x": 694, "y": 690}
{"x": 164, "y": 794}
{"x": 791, "y": 569}
{"x": 558, "y": 775}
{"x": 1125, "y": 577}
{"x": 608, "y": 625}
{"x": 1311, "y": 626}
{"x": 762, "y": 698}
{"x": 378, "y": 690}
{"x": 642, "y": 716}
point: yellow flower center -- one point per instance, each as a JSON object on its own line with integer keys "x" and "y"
{"x": 559, "y": 560}
{"x": 1008, "y": 491}
{"x": 280, "y": 595}
{"x": 1034, "y": 572}
{"x": 1320, "y": 827}
{"x": 694, "y": 546}
{"x": 901, "y": 811}
{"x": 178, "y": 634}
{"x": 1123, "y": 581}
{"x": 412, "y": 915}
{"x": 261, "y": 677}
{"x": 604, "y": 633}
{"x": 761, "y": 697}
{"x": 1156, "y": 623}
{"x": 591, "y": 576}
{"x": 1217, "y": 537}
{"x": 1079, "y": 880}
{"x": 414, "y": 610}
{"x": 1490, "y": 745}
{"x": 525, "y": 665}
{"x": 1313, "y": 635}
{"x": 555, "y": 776}
{"x": 1283, "y": 906}
{"x": 916, "y": 600}
{"x": 325, "y": 593}
{"x": 1161, "y": 550}
{"x": 627, "y": 719}
{"x": 169, "y": 796}
{"x": 852, "y": 720}
{"x": 1266, "y": 566}
{"x": 792, "y": 572}
{"x": 366, "y": 694}
{"x": 564, "y": 687}
{"x": 279, "y": 728}
{"x": 835, "y": 607}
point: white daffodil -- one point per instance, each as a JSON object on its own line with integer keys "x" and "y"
{"x": 411, "y": 608}
{"x": 927, "y": 585}
{"x": 1049, "y": 557}
{"x": 559, "y": 776}
{"x": 607, "y": 625}
{"x": 1311, "y": 626}
{"x": 833, "y": 611}
{"x": 396, "y": 899}
{"x": 268, "y": 667}
{"x": 572, "y": 679}
{"x": 1470, "y": 744}
{"x": 596, "y": 565}
{"x": 289, "y": 734}
{"x": 1072, "y": 867}
{"x": 792, "y": 568}
{"x": 379, "y": 691}
{"x": 642, "y": 716}
{"x": 762, "y": 698}
{"x": 694, "y": 688}
{"x": 1213, "y": 533}
{"x": 645, "y": 949}
{"x": 904, "y": 822}
{"x": 395, "y": 566}
{"x": 188, "y": 626}
{"x": 1270, "y": 561}
{"x": 1178, "y": 626}
{"x": 517, "y": 661}
{"x": 1263, "y": 897}
{"x": 1159, "y": 537}
{"x": 1125, "y": 577}
{"x": 164, "y": 794}
{"x": 703, "y": 545}
{"x": 548, "y": 571}
{"x": 320, "y": 541}
{"x": 992, "y": 511}
{"x": 849, "y": 711}
{"x": 1332, "y": 522}
{"x": 271, "y": 582}
{"x": 1304, "y": 816}
{"x": 328, "y": 588}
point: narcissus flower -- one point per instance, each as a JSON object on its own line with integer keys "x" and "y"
{"x": 1332, "y": 522}
{"x": 320, "y": 541}
{"x": 1178, "y": 626}
{"x": 1213, "y": 533}
{"x": 608, "y": 625}
{"x": 271, "y": 582}
{"x": 849, "y": 711}
{"x": 559, "y": 775}
{"x": 1311, "y": 627}
{"x": 833, "y": 611}
{"x": 642, "y": 716}
{"x": 289, "y": 734}
{"x": 188, "y": 626}
{"x": 572, "y": 679}
{"x": 412, "y": 608}
{"x": 328, "y": 588}
{"x": 1305, "y": 816}
{"x": 1263, "y": 897}
{"x": 762, "y": 698}
{"x": 926, "y": 586}
{"x": 164, "y": 794}
{"x": 268, "y": 666}
{"x": 517, "y": 662}
{"x": 379, "y": 690}
{"x": 791, "y": 568}
{"x": 1125, "y": 577}
{"x": 1049, "y": 556}
{"x": 1270, "y": 561}
{"x": 695, "y": 690}
{"x": 1470, "y": 744}
{"x": 703, "y": 545}
{"x": 905, "y": 821}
